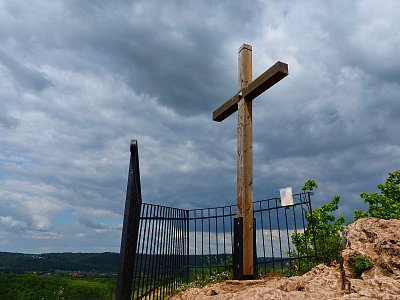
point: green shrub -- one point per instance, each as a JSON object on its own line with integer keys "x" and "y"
{"x": 359, "y": 264}
{"x": 323, "y": 229}
{"x": 385, "y": 205}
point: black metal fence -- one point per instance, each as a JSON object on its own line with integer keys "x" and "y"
{"x": 171, "y": 246}
{"x": 161, "y": 251}
{"x": 276, "y": 225}
{"x": 211, "y": 232}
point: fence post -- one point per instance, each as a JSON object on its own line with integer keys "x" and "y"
{"x": 309, "y": 194}
{"x": 238, "y": 255}
{"x": 130, "y": 230}
{"x": 238, "y": 249}
{"x": 187, "y": 247}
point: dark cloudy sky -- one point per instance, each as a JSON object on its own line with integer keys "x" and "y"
{"x": 80, "y": 79}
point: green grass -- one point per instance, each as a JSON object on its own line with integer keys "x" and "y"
{"x": 32, "y": 287}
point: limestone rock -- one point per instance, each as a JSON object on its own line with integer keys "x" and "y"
{"x": 377, "y": 239}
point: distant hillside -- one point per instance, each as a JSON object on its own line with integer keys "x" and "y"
{"x": 106, "y": 262}
{"x": 98, "y": 262}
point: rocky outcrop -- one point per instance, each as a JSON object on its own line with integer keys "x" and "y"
{"x": 322, "y": 282}
{"x": 379, "y": 241}
{"x": 375, "y": 239}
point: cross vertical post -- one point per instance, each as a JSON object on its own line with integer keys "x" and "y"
{"x": 245, "y": 257}
{"x": 245, "y": 161}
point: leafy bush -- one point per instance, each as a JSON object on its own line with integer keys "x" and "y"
{"x": 385, "y": 205}
{"x": 323, "y": 228}
{"x": 309, "y": 185}
{"x": 359, "y": 264}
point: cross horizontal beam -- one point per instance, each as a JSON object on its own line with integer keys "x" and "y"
{"x": 263, "y": 82}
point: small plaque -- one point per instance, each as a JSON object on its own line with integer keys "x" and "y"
{"x": 286, "y": 196}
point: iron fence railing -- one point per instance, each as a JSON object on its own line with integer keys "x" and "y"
{"x": 276, "y": 225}
{"x": 161, "y": 264}
{"x": 210, "y": 240}
{"x": 211, "y": 233}
{"x": 175, "y": 246}
{"x": 164, "y": 247}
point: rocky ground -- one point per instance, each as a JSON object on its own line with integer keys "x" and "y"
{"x": 379, "y": 240}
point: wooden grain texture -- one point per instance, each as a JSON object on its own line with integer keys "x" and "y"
{"x": 245, "y": 161}
{"x": 226, "y": 109}
{"x": 242, "y": 102}
{"x": 254, "y": 88}
{"x": 266, "y": 80}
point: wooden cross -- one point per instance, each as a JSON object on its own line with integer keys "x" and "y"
{"x": 242, "y": 102}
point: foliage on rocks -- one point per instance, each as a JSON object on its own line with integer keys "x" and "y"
{"x": 386, "y": 204}
{"x": 359, "y": 264}
{"x": 323, "y": 228}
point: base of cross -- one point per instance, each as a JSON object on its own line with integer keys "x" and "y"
{"x": 238, "y": 257}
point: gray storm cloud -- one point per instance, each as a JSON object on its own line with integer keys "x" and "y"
{"x": 79, "y": 80}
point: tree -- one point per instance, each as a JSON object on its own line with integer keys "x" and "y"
{"x": 385, "y": 205}
{"x": 322, "y": 232}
